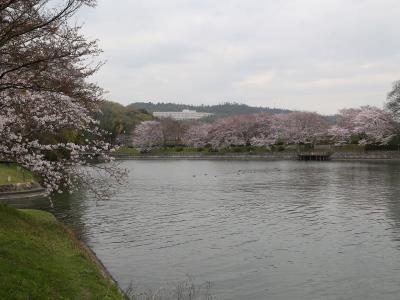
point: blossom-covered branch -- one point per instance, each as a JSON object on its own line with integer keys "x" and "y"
{"x": 46, "y": 103}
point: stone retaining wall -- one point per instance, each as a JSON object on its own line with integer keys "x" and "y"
{"x": 373, "y": 155}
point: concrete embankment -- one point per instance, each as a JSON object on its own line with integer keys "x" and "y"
{"x": 335, "y": 156}
{"x": 21, "y": 191}
{"x": 277, "y": 156}
{"x": 370, "y": 155}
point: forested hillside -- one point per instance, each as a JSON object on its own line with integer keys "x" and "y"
{"x": 220, "y": 110}
{"x": 117, "y": 119}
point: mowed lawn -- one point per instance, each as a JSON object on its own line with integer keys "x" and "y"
{"x": 11, "y": 173}
{"x": 39, "y": 259}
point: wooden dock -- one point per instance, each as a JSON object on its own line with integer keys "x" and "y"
{"x": 314, "y": 156}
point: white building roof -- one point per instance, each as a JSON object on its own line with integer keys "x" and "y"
{"x": 185, "y": 114}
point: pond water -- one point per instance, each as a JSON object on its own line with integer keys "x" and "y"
{"x": 255, "y": 230}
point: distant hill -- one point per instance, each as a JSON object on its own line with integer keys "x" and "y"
{"x": 220, "y": 110}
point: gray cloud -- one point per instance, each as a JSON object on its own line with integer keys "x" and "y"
{"x": 299, "y": 54}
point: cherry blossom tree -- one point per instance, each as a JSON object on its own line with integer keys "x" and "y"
{"x": 267, "y": 132}
{"x": 166, "y": 132}
{"x": 301, "y": 127}
{"x": 197, "y": 135}
{"x": 393, "y": 101}
{"x": 44, "y": 64}
{"x": 233, "y": 131}
{"x": 344, "y": 130}
{"x": 172, "y": 131}
{"x": 367, "y": 124}
{"x": 148, "y": 134}
{"x": 340, "y": 135}
{"x": 375, "y": 125}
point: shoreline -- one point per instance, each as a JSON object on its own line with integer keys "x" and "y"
{"x": 91, "y": 255}
{"x": 22, "y": 194}
{"x": 336, "y": 156}
{"x": 24, "y": 190}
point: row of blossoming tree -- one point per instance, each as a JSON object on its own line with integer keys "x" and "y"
{"x": 364, "y": 125}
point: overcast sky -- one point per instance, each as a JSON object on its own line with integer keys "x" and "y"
{"x": 297, "y": 54}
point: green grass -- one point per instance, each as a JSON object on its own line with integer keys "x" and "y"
{"x": 39, "y": 259}
{"x": 11, "y": 173}
{"x": 127, "y": 150}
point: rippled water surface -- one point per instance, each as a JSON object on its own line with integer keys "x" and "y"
{"x": 256, "y": 230}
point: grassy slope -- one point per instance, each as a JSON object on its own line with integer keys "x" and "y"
{"x": 16, "y": 174}
{"x": 39, "y": 260}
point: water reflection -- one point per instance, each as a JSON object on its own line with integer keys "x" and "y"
{"x": 257, "y": 230}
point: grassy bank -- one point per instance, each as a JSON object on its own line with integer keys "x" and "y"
{"x": 11, "y": 173}
{"x": 39, "y": 259}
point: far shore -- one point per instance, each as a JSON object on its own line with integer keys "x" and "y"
{"x": 335, "y": 156}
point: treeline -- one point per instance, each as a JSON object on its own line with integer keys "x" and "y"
{"x": 220, "y": 110}
{"x": 365, "y": 125}
{"x": 115, "y": 119}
